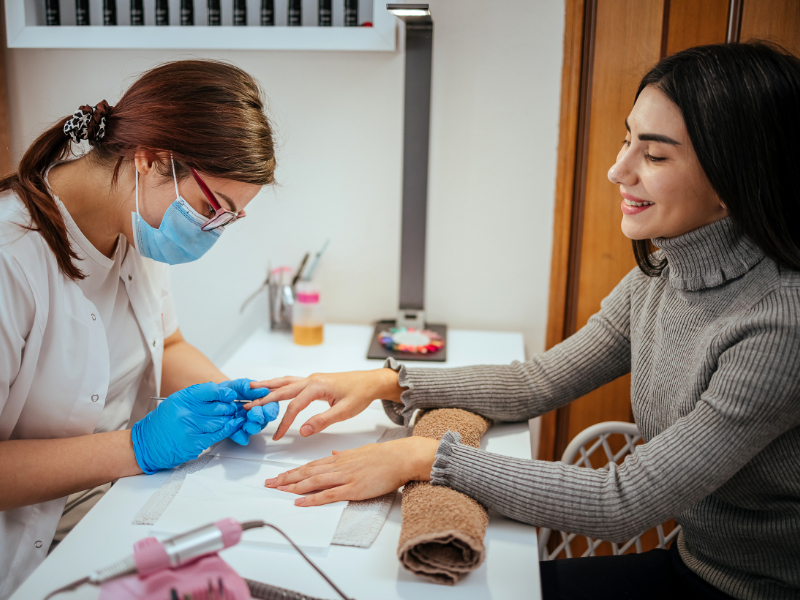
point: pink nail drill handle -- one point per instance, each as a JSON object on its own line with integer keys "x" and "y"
{"x": 231, "y": 531}
{"x": 152, "y": 555}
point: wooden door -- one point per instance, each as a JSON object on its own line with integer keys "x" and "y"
{"x": 608, "y": 46}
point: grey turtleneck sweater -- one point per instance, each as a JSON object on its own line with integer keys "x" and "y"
{"x": 713, "y": 348}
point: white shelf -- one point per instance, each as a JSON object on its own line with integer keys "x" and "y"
{"x": 24, "y": 31}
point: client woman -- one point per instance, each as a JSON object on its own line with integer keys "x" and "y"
{"x": 88, "y": 333}
{"x": 708, "y": 326}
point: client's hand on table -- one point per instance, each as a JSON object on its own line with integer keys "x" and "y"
{"x": 365, "y": 472}
{"x": 347, "y": 393}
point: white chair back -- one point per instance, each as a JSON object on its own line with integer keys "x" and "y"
{"x": 579, "y": 452}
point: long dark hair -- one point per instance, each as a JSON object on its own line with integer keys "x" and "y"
{"x": 208, "y": 114}
{"x": 741, "y": 106}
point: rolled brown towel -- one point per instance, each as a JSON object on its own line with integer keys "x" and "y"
{"x": 442, "y": 534}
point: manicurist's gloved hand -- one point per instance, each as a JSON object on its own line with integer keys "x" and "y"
{"x": 258, "y": 417}
{"x": 185, "y": 424}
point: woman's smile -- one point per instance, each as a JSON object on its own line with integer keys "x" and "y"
{"x": 631, "y": 205}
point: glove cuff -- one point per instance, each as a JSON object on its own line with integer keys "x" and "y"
{"x": 140, "y": 449}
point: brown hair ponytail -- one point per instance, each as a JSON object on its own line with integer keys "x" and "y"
{"x": 208, "y": 114}
{"x": 28, "y": 183}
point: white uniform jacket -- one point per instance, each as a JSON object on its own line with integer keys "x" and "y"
{"x": 54, "y": 365}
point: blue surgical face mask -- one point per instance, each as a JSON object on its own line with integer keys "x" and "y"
{"x": 179, "y": 238}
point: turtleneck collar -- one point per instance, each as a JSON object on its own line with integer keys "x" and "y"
{"x": 709, "y": 256}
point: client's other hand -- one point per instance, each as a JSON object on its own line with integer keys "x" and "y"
{"x": 347, "y": 393}
{"x": 365, "y": 472}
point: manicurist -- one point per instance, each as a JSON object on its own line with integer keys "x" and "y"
{"x": 708, "y": 325}
{"x": 88, "y": 333}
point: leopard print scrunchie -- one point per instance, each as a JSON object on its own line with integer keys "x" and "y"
{"x": 88, "y": 123}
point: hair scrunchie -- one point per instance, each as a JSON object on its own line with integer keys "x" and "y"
{"x": 88, "y": 123}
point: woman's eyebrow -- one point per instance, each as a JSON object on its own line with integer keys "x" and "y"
{"x": 228, "y": 200}
{"x": 654, "y": 137}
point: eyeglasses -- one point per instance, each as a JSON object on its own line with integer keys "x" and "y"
{"x": 221, "y": 216}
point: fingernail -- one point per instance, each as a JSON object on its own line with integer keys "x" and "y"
{"x": 299, "y": 502}
{"x": 306, "y": 430}
{"x": 283, "y": 488}
{"x": 269, "y": 482}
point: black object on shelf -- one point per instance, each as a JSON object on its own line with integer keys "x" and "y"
{"x": 267, "y": 13}
{"x": 294, "y": 16}
{"x": 325, "y": 13}
{"x": 162, "y": 12}
{"x": 137, "y": 12}
{"x": 240, "y": 12}
{"x": 214, "y": 13}
{"x": 109, "y": 12}
{"x": 187, "y": 12}
{"x": 81, "y": 12}
{"x": 52, "y": 12}
{"x": 351, "y": 13}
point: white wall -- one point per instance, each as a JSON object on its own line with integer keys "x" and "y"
{"x": 338, "y": 117}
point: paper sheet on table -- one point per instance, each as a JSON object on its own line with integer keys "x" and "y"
{"x": 235, "y": 488}
{"x": 297, "y": 450}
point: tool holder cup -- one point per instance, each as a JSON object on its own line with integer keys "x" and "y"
{"x": 282, "y": 297}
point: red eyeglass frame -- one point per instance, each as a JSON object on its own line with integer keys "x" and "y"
{"x": 221, "y": 216}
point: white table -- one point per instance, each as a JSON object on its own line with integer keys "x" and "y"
{"x": 511, "y": 568}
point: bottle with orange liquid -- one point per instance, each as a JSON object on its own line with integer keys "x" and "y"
{"x": 307, "y": 318}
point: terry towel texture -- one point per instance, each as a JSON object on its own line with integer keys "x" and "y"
{"x": 442, "y": 534}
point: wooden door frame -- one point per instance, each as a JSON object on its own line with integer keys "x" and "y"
{"x": 576, "y": 83}
{"x": 568, "y": 217}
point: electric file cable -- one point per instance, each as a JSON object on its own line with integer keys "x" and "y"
{"x": 186, "y": 547}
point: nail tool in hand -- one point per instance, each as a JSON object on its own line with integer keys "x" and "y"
{"x": 239, "y": 400}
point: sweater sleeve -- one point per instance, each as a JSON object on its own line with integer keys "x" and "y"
{"x": 751, "y": 400}
{"x": 598, "y": 353}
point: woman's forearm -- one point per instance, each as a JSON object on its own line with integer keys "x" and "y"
{"x": 185, "y": 365}
{"x": 33, "y": 471}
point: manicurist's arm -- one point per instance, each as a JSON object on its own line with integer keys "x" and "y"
{"x": 33, "y": 471}
{"x": 185, "y": 365}
{"x": 188, "y": 422}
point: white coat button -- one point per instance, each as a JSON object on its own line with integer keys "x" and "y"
{"x": 93, "y": 317}
{"x": 38, "y": 543}
{"x": 95, "y": 397}
{"x": 130, "y": 277}
{"x": 154, "y": 343}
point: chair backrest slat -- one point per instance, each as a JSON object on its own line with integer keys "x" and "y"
{"x": 579, "y": 452}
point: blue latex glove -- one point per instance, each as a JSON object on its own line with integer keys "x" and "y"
{"x": 257, "y": 417}
{"x": 185, "y": 424}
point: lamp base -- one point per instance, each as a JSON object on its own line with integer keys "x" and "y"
{"x": 381, "y": 352}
